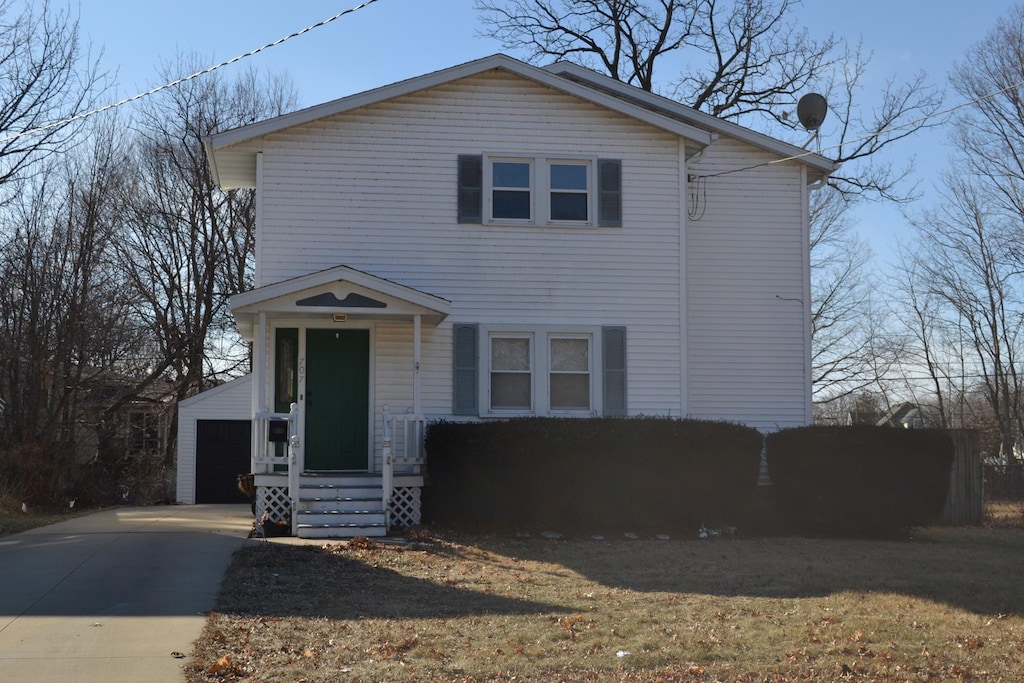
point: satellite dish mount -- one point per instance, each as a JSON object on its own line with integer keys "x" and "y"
{"x": 811, "y": 111}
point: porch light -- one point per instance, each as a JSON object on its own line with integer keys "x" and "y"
{"x": 341, "y": 317}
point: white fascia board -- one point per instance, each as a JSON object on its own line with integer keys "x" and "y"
{"x": 246, "y": 302}
{"x": 697, "y": 118}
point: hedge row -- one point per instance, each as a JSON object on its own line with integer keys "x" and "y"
{"x": 575, "y": 475}
{"x": 860, "y": 479}
{"x": 669, "y": 475}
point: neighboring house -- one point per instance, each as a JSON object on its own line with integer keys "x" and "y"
{"x": 497, "y": 239}
{"x": 905, "y": 415}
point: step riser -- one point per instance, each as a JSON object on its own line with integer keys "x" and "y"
{"x": 340, "y": 481}
{"x": 342, "y": 533}
{"x": 307, "y": 505}
{"x": 345, "y": 517}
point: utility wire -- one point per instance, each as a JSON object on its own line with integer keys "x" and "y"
{"x": 184, "y": 79}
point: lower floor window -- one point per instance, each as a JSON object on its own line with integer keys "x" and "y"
{"x": 540, "y": 372}
{"x": 569, "y": 374}
{"x": 511, "y": 374}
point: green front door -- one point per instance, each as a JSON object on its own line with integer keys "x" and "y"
{"x": 337, "y": 399}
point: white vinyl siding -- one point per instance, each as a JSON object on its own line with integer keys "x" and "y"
{"x": 712, "y": 306}
{"x": 746, "y": 269}
{"x": 329, "y": 198}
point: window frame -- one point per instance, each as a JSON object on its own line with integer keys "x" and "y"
{"x": 490, "y": 188}
{"x": 540, "y": 188}
{"x": 531, "y": 373}
{"x": 589, "y": 373}
{"x": 540, "y": 364}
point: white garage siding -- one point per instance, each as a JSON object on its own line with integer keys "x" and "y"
{"x": 230, "y": 401}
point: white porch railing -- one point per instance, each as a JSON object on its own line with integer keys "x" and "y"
{"x": 269, "y": 453}
{"x": 402, "y": 448}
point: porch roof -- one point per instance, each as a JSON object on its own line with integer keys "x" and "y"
{"x": 340, "y": 290}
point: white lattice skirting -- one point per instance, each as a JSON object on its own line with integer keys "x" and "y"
{"x": 274, "y": 501}
{"x": 405, "y": 506}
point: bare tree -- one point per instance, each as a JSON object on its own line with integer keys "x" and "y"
{"x": 965, "y": 260}
{"x": 46, "y": 81}
{"x": 748, "y": 61}
{"x": 188, "y": 245}
{"x": 62, "y": 310}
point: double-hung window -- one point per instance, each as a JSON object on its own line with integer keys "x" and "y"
{"x": 569, "y": 369}
{"x": 538, "y": 370}
{"x": 511, "y": 189}
{"x": 539, "y": 190}
{"x": 570, "y": 191}
{"x": 511, "y": 376}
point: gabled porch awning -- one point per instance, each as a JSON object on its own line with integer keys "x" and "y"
{"x": 336, "y": 291}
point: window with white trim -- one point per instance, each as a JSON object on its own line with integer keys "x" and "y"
{"x": 569, "y": 369}
{"x": 511, "y": 189}
{"x": 539, "y": 190}
{"x": 570, "y": 191}
{"x": 511, "y": 376}
{"x": 539, "y": 371}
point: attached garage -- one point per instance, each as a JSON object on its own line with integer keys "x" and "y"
{"x": 214, "y": 441}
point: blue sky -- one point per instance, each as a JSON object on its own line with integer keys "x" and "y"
{"x": 395, "y": 39}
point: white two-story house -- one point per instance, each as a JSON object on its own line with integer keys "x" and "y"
{"x": 495, "y": 240}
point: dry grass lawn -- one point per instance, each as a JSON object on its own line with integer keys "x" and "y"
{"x": 944, "y": 605}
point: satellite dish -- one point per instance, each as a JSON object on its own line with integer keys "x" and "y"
{"x": 811, "y": 110}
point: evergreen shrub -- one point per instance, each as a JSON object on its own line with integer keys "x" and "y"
{"x": 589, "y": 475}
{"x": 861, "y": 479}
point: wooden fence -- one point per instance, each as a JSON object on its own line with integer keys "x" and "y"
{"x": 966, "y": 499}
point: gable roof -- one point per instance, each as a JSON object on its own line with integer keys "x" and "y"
{"x": 817, "y": 163}
{"x": 237, "y": 167}
{"x": 367, "y": 297}
{"x": 233, "y": 166}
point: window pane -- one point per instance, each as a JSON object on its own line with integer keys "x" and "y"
{"x": 510, "y": 354}
{"x": 510, "y": 174}
{"x": 570, "y": 392}
{"x": 570, "y": 355}
{"x": 510, "y": 390}
{"x": 568, "y": 177}
{"x": 511, "y": 204}
{"x": 568, "y": 206}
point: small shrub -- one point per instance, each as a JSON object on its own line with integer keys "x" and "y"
{"x": 860, "y": 479}
{"x": 586, "y": 475}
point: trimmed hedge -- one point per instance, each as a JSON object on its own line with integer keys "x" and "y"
{"x": 589, "y": 475}
{"x": 860, "y": 479}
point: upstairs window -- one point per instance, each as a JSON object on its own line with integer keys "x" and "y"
{"x": 540, "y": 190}
{"x": 511, "y": 190}
{"x": 570, "y": 191}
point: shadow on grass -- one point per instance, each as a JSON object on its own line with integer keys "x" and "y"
{"x": 306, "y": 581}
{"x": 977, "y": 570}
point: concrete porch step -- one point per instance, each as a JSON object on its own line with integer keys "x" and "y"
{"x": 340, "y": 531}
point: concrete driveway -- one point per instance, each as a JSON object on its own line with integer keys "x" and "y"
{"x": 118, "y": 595}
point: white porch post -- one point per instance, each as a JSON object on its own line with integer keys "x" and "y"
{"x": 416, "y": 339}
{"x": 259, "y": 394}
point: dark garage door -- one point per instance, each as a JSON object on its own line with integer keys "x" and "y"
{"x": 222, "y": 453}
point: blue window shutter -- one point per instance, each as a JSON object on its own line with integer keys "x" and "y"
{"x": 471, "y": 184}
{"x": 613, "y": 363}
{"x": 609, "y": 193}
{"x": 464, "y": 378}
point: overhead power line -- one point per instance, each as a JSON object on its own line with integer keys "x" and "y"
{"x": 184, "y": 79}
